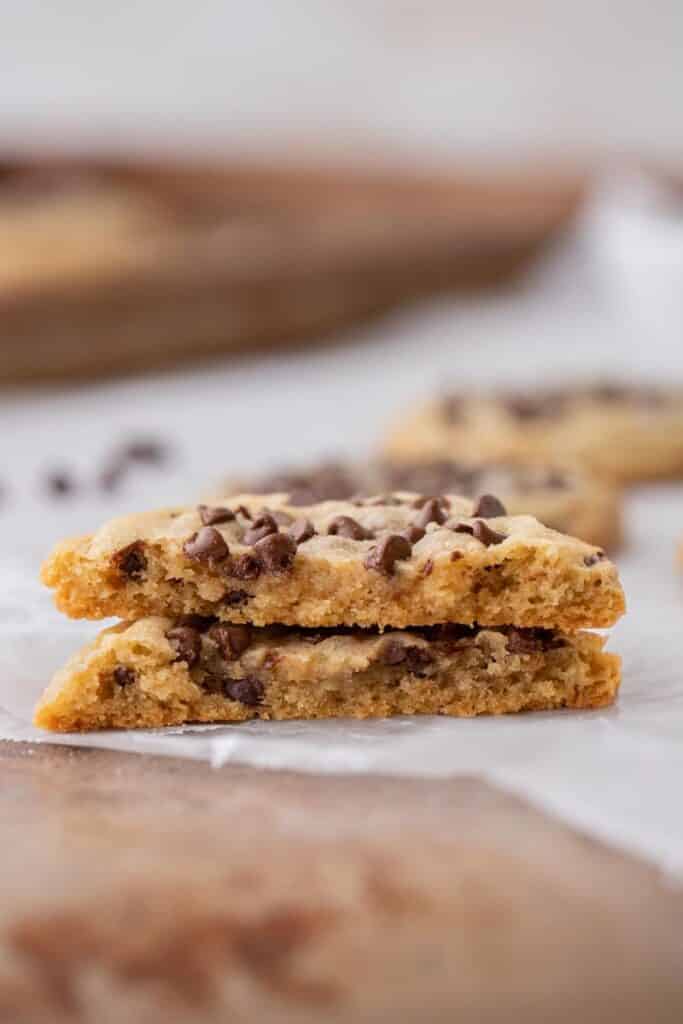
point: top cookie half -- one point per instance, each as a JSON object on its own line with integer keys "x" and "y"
{"x": 397, "y": 560}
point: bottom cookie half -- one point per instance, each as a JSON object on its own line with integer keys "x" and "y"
{"x": 159, "y": 671}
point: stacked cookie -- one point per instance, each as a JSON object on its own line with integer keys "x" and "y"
{"x": 398, "y": 604}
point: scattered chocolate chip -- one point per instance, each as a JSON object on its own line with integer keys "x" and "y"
{"x": 235, "y": 597}
{"x": 131, "y": 561}
{"x": 146, "y": 449}
{"x": 486, "y": 535}
{"x": 413, "y": 534}
{"x": 231, "y": 640}
{"x": 124, "y": 676}
{"x": 212, "y": 683}
{"x": 463, "y": 528}
{"x": 391, "y": 652}
{"x": 186, "y": 642}
{"x": 456, "y": 556}
{"x": 488, "y": 507}
{"x": 301, "y": 530}
{"x": 247, "y": 691}
{"x": 211, "y": 516}
{"x": 207, "y": 545}
{"x": 345, "y": 526}
{"x": 391, "y": 549}
{"x": 594, "y": 558}
{"x": 198, "y": 622}
{"x": 275, "y": 552}
{"x": 263, "y": 526}
{"x": 59, "y": 484}
{"x": 245, "y": 567}
{"x": 433, "y": 511}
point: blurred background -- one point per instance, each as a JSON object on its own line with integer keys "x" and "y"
{"x": 251, "y": 235}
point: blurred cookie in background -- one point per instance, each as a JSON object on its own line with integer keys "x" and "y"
{"x": 565, "y": 498}
{"x": 620, "y": 431}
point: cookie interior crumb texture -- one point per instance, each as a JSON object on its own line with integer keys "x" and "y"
{"x": 396, "y": 560}
{"x": 161, "y": 671}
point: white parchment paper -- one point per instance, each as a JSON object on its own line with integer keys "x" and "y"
{"x": 598, "y": 306}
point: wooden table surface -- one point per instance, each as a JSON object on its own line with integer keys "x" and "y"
{"x": 150, "y": 889}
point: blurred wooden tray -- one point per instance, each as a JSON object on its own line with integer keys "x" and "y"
{"x": 110, "y": 267}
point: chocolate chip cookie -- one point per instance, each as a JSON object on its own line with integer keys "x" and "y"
{"x": 566, "y": 498}
{"x": 161, "y": 671}
{"x": 622, "y": 432}
{"x": 399, "y": 560}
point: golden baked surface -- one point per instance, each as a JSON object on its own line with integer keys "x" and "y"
{"x": 159, "y": 671}
{"x": 398, "y": 560}
{"x": 620, "y": 432}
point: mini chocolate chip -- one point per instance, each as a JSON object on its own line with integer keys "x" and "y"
{"x": 124, "y": 676}
{"x": 245, "y": 567}
{"x": 486, "y": 535}
{"x": 198, "y": 622}
{"x": 60, "y": 484}
{"x": 432, "y": 512}
{"x": 413, "y": 534}
{"x": 391, "y": 549}
{"x": 463, "y": 528}
{"x": 417, "y": 659}
{"x": 186, "y": 642}
{"x": 488, "y": 507}
{"x": 301, "y": 530}
{"x": 345, "y": 526}
{"x": 262, "y": 527}
{"x": 131, "y": 561}
{"x": 391, "y": 652}
{"x": 594, "y": 558}
{"x": 275, "y": 552}
{"x": 235, "y": 597}
{"x": 231, "y": 640}
{"x": 207, "y": 545}
{"x": 247, "y": 691}
{"x": 211, "y": 516}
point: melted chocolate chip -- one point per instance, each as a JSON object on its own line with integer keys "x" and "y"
{"x": 245, "y": 567}
{"x": 432, "y": 511}
{"x": 198, "y": 622}
{"x": 186, "y": 642}
{"x": 131, "y": 561}
{"x": 235, "y": 597}
{"x": 263, "y": 526}
{"x": 391, "y": 652}
{"x": 247, "y": 691}
{"x": 231, "y": 640}
{"x": 391, "y": 549}
{"x": 532, "y": 641}
{"x": 211, "y": 516}
{"x": 207, "y": 545}
{"x": 275, "y": 552}
{"x": 463, "y": 528}
{"x": 301, "y": 530}
{"x": 417, "y": 659}
{"x": 124, "y": 676}
{"x": 345, "y": 526}
{"x": 594, "y": 558}
{"x": 488, "y": 507}
{"x": 486, "y": 535}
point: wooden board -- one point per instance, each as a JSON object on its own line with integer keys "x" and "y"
{"x": 145, "y": 889}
